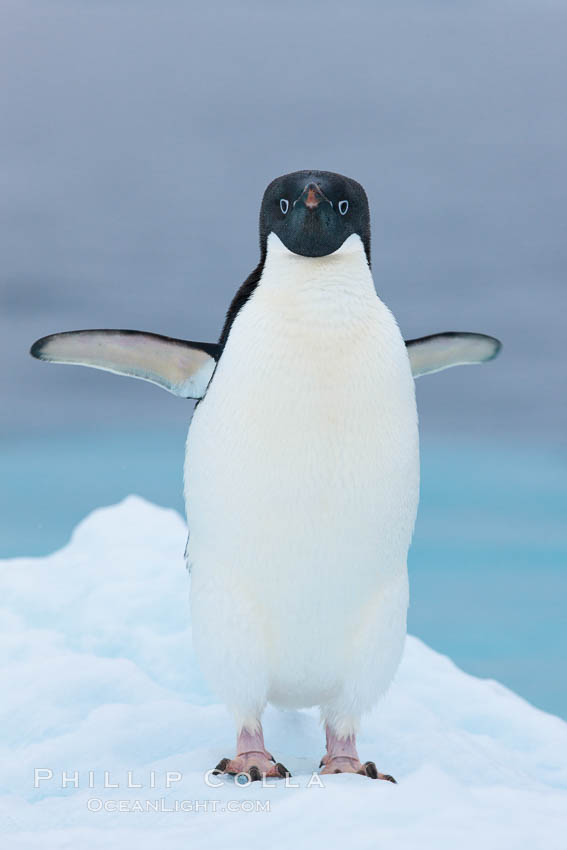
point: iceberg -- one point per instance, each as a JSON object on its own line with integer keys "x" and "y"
{"x": 108, "y": 729}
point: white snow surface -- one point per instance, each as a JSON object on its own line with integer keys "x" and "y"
{"x": 98, "y": 675}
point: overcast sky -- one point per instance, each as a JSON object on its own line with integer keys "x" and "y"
{"x": 137, "y": 139}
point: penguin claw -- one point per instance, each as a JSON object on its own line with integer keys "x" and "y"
{"x": 221, "y": 767}
{"x": 282, "y": 770}
{"x": 369, "y": 769}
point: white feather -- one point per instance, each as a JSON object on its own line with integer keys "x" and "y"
{"x": 302, "y": 479}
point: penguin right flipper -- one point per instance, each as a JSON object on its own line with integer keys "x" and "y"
{"x": 183, "y": 368}
{"x": 454, "y": 348}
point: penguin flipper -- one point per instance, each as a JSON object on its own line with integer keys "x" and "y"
{"x": 183, "y": 368}
{"x": 441, "y": 351}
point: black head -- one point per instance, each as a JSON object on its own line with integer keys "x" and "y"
{"x": 314, "y": 212}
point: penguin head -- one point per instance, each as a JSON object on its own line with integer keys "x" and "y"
{"x": 314, "y": 212}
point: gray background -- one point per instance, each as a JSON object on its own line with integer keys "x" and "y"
{"x": 137, "y": 138}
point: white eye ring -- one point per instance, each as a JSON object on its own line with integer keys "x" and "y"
{"x": 343, "y": 207}
{"x": 284, "y": 205}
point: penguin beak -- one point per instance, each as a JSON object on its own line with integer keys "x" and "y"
{"x": 312, "y": 196}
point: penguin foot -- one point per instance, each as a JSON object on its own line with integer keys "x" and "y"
{"x": 347, "y": 764}
{"x": 252, "y": 759}
{"x": 255, "y": 764}
{"x": 342, "y": 757}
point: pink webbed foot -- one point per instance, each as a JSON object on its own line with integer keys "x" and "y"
{"x": 342, "y": 757}
{"x": 344, "y": 764}
{"x": 255, "y": 765}
{"x": 252, "y": 759}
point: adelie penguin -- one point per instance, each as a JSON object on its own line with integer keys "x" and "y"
{"x": 301, "y": 472}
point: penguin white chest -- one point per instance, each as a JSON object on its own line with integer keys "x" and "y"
{"x": 302, "y": 473}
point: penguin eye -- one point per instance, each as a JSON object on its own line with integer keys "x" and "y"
{"x": 284, "y": 205}
{"x": 343, "y": 207}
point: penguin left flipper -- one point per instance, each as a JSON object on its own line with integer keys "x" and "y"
{"x": 183, "y": 368}
{"x": 453, "y": 348}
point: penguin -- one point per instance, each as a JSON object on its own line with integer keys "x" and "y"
{"x": 301, "y": 470}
